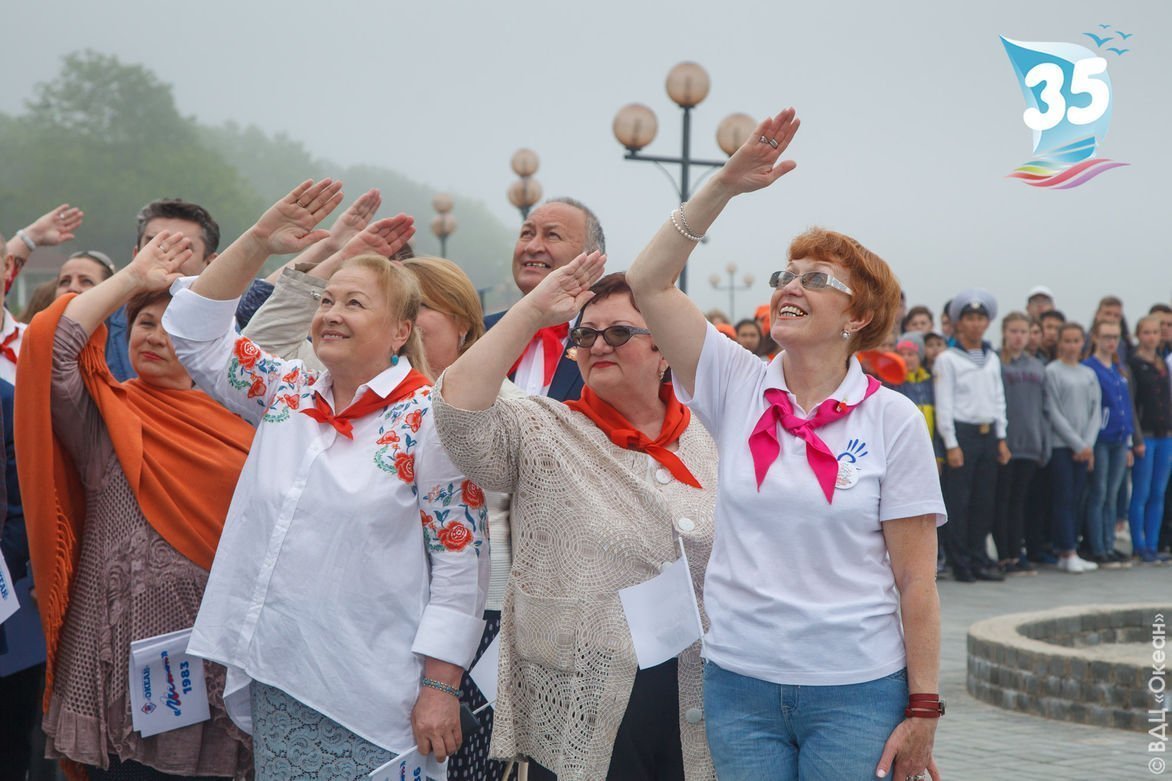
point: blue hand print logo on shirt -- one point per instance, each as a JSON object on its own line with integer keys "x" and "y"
{"x": 855, "y": 449}
{"x": 848, "y": 473}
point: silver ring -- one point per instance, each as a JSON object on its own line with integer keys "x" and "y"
{"x": 773, "y": 143}
{"x": 917, "y": 777}
{"x": 762, "y": 140}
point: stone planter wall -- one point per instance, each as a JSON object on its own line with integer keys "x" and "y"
{"x": 1087, "y": 664}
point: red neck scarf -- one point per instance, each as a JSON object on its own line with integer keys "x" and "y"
{"x": 370, "y": 402}
{"x": 626, "y": 436}
{"x": 6, "y": 346}
{"x": 765, "y": 447}
{"x": 553, "y": 342}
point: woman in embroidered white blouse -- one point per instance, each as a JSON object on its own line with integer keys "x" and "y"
{"x": 345, "y": 623}
{"x": 824, "y": 640}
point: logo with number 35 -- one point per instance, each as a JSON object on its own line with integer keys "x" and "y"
{"x": 1068, "y": 107}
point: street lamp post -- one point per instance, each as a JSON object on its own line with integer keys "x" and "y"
{"x": 635, "y": 126}
{"x": 444, "y": 223}
{"x": 526, "y": 190}
{"x": 732, "y": 287}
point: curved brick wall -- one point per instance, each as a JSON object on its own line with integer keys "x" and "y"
{"x": 1089, "y": 664}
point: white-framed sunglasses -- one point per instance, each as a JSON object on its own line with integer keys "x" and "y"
{"x": 810, "y": 280}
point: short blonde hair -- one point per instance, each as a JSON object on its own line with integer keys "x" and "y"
{"x": 401, "y": 290}
{"x": 447, "y": 289}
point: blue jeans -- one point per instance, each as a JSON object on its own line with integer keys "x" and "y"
{"x": 1149, "y": 483}
{"x": 1102, "y": 500}
{"x": 760, "y": 730}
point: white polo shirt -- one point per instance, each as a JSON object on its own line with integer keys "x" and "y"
{"x": 799, "y": 591}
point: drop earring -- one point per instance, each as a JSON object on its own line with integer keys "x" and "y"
{"x": 395, "y": 360}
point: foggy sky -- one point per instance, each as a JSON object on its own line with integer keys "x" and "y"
{"x": 911, "y": 118}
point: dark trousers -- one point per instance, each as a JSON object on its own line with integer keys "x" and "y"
{"x": 1039, "y": 503}
{"x": 647, "y": 747}
{"x": 1069, "y": 478}
{"x": 969, "y": 495}
{"x": 20, "y": 713}
{"x": 1013, "y": 484}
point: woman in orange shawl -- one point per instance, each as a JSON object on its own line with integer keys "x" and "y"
{"x": 124, "y": 504}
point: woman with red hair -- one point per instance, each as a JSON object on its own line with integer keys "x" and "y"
{"x": 821, "y": 589}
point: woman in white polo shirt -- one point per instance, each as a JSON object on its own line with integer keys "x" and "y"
{"x": 821, "y": 589}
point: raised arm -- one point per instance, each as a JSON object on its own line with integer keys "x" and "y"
{"x": 288, "y": 226}
{"x": 54, "y": 227}
{"x": 349, "y": 223}
{"x": 384, "y": 237}
{"x": 474, "y": 380}
{"x": 154, "y": 267}
{"x": 674, "y": 319}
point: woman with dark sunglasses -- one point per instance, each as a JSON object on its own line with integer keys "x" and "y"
{"x": 604, "y": 489}
{"x": 824, "y": 639}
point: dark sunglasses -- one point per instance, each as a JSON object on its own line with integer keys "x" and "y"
{"x": 615, "y": 335}
{"x": 811, "y": 280}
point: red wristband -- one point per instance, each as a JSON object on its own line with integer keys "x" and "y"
{"x": 924, "y": 706}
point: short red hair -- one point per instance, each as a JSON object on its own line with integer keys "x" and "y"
{"x": 875, "y": 287}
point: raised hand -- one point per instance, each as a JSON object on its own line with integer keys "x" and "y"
{"x": 385, "y": 237}
{"x": 157, "y": 265}
{"x": 755, "y": 164}
{"x": 289, "y": 224}
{"x": 565, "y": 290}
{"x": 355, "y": 219}
{"x": 55, "y": 226}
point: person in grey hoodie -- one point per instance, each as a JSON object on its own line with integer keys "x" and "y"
{"x": 1073, "y": 409}
{"x": 1024, "y": 378}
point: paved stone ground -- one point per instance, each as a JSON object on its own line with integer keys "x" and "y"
{"x": 978, "y": 742}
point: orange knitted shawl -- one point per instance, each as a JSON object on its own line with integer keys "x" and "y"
{"x": 181, "y": 451}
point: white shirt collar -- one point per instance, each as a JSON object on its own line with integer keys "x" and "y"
{"x": 851, "y": 390}
{"x": 10, "y": 323}
{"x": 382, "y": 383}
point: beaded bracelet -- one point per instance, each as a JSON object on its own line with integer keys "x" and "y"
{"x": 686, "y": 234}
{"x": 452, "y": 690}
{"x": 684, "y": 220}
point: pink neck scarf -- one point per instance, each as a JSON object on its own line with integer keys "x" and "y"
{"x": 765, "y": 447}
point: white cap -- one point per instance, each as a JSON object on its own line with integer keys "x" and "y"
{"x": 1040, "y": 290}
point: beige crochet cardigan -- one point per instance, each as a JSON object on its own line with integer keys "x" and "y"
{"x": 589, "y": 518}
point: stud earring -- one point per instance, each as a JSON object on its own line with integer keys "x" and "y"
{"x": 846, "y": 334}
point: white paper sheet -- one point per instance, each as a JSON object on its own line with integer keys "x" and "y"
{"x": 484, "y": 672}
{"x": 662, "y": 614}
{"x": 167, "y": 688}
{"x": 9, "y": 604}
{"x": 411, "y": 766}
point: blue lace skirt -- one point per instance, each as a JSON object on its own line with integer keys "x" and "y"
{"x": 293, "y": 742}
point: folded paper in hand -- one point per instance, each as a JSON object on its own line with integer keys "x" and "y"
{"x": 167, "y": 688}
{"x": 662, "y": 614}
{"x": 413, "y": 766}
{"x": 8, "y": 601}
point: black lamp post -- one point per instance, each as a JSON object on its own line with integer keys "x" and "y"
{"x": 635, "y": 126}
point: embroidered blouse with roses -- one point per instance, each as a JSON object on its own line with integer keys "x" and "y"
{"x": 326, "y": 583}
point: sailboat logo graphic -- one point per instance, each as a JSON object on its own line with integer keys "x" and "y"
{"x": 1068, "y": 107}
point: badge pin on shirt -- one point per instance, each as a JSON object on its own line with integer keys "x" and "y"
{"x": 848, "y": 471}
